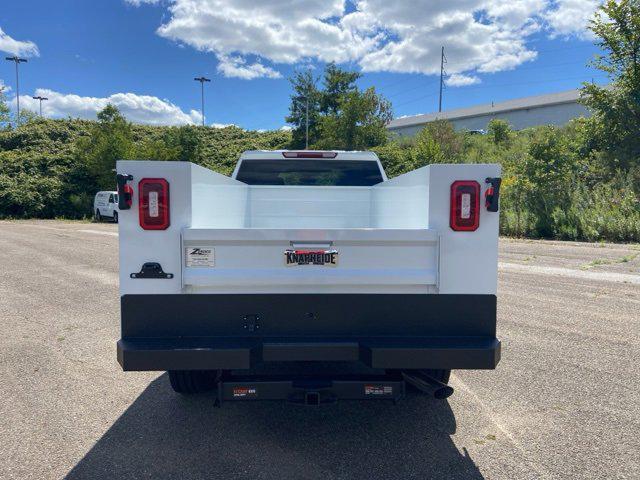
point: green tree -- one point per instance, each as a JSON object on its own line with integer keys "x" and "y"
{"x": 336, "y": 84}
{"x": 5, "y": 112}
{"x": 340, "y": 115}
{"x": 499, "y": 131}
{"x": 305, "y": 97}
{"x": 549, "y": 174}
{"x": 438, "y": 142}
{"x": 616, "y": 108}
{"x": 358, "y": 123}
{"x": 110, "y": 140}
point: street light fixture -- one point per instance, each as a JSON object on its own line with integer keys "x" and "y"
{"x": 17, "y": 61}
{"x": 41, "y": 99}
{"x": 202, "y": 80}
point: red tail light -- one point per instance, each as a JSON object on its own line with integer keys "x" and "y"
{"x": 153, "y": 203}
{"x": 465, "y": 206}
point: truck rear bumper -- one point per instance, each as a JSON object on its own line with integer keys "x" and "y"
{"x": 237, "y": 354}
{"x": 241, "y": 331}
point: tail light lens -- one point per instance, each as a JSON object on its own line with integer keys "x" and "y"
{"x": 465, "y": 206}
{"x": 153, "y": 203}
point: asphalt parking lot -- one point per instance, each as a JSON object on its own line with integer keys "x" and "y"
{"x": 563, "y": 403}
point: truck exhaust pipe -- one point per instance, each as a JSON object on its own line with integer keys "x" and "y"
{"x": 428, "y": 384}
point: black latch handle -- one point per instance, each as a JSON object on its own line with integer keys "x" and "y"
{"x": 125, "y": 191}
{"x": 492, "y": 195}
{"x": 151, "y": 270}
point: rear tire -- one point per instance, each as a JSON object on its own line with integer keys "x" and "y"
{"x": 115, "y": 217}
{"x": 192, "y": 381}
{"x": 98, "y": 216}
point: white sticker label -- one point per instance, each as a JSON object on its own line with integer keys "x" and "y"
{"x": 199, "y": 257}
{"x": 153, "y": 204}
{"x": 465, "y": 207}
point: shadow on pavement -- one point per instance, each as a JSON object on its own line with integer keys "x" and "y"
{"x": 165, "y": 435}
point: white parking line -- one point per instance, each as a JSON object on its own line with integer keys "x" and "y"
{"x": 100, "y": 232}
{"x": 568, "y": 272}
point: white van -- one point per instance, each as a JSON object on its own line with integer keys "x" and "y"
{"x": 105, "y": 205}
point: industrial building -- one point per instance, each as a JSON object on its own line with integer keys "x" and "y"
{"x": 548, "y": 109}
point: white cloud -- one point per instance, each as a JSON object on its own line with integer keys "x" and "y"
{"x": 378, "y": 35}
{"x": 137, "y": 3}
{"x": 136, "y": 108}
{"x": 4, "y": 87}
{"x": 459, "y": 80}
{"x": 22, "y": 48}
{"x": 223, "y": 125}
{"x": 570, "y": 17}
{"x": 237, "y": 67}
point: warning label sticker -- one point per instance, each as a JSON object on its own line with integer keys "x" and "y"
{"x": 244, "y": 392}
{"x": 199, "y": 257}
{"x": 378, "y": 390}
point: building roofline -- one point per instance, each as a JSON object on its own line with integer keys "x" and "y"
{"x": 525, "y": 103}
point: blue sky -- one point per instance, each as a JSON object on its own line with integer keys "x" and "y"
{"x": 142, "y": 55}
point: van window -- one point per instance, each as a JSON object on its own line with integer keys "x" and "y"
{"x": 310, "y": 172}
{"x": 111, "y": 198}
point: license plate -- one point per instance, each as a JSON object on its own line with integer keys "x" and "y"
{"x": 323, "y": 258}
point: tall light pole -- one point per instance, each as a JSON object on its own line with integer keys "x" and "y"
{"x": 202, "y": 80}
{"x": 17, "y": 61}
{"x": 41, "y": 99}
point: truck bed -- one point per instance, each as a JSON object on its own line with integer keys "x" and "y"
{"x": 405, "y": 291}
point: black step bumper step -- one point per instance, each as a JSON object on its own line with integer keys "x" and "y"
{"x": 238, "y": 354}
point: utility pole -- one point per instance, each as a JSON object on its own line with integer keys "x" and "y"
{"x": 41, "y": 99}
{"x": 443, "y": 60}
{"x": 17, "y": 61}
{"x": 202, "y": 80}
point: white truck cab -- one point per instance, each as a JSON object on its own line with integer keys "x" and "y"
{"x": 308, "y": 256}
{"x": 105, "y": 205}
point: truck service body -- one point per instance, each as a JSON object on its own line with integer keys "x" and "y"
{"x": 289, "y": 262}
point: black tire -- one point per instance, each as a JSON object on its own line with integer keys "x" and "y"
{"x": 115, "y": 217}
{"x": 192, "y": 381}
{"x": 98, "y": 216}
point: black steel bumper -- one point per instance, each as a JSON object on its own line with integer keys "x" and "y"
{"x": 202, "y": 332}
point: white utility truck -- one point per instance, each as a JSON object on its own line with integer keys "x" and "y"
{"x": 308, "y": 276}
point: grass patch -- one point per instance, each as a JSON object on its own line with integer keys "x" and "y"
{"x": 609, "y": 261}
